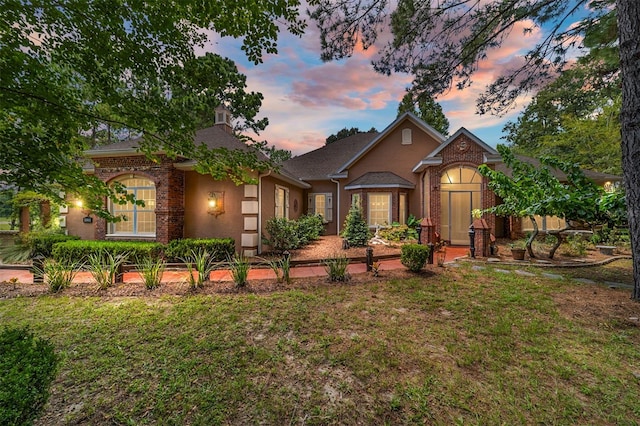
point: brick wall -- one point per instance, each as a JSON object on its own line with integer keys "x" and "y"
{"x": 169, "y": 184}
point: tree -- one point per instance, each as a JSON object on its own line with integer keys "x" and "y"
{"x": 73, "y": 70}
{"x": 441, "y": 47}
{"x": 577, "y": 116}
{"x": 343, "y": 133}
{"x": 535, "y": 191}
{"x": 427, "y": 109}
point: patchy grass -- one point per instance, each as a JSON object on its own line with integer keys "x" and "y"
{"x": 460, "y": 346}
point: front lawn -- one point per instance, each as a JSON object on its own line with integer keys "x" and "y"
{"x": 458, "y": 346}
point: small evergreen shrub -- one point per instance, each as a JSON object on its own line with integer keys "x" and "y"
{"x": 71, "y": 251}
{"x": 414, "y": 256}
{"x": 282, "y": 234}
{"x": 27, "y": 367}
{"x": 219, "y": 249}
{"x": 356, "y": 231}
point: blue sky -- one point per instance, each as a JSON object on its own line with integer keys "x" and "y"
{"x": 307, "y": 100}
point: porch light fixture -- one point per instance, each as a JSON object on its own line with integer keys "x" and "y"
{"x": 215, "y": 203}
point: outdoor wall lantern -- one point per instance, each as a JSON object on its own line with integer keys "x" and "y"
{"x": 215, "y": 204}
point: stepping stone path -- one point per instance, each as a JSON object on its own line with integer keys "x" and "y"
{"x": 552, "y": 276}
{"x": 524, "y": 273}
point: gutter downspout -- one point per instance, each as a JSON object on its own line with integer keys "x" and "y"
{"x": 260, "y": 176}
{"x": 338, "y": 205}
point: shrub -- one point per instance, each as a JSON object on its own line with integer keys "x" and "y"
{"x": 37, "y": 243}
{"x": 395, "y": 233}
{"x": 310, "y": 227}
{"x": 282, "y": 234}
{"x": 576, "y": 245}
{"x": 219, "y": 249}
{"x": 356, "y": 230}
{"x": 414, "y": 256}
{"x": 336, "y": 268}
{"x": 27, "y": 368}
{"x": 80, "y": 251}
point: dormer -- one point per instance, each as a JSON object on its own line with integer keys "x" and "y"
{"x": 223, "y": 119}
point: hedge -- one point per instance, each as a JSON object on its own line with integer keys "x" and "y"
{"x": 219, "y": 249}
{"x": 79, "y": 251}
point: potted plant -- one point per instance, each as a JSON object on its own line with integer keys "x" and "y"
{"x": 518, "y": 250}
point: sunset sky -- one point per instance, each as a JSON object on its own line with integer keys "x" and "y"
{"x": 307, "y": 100}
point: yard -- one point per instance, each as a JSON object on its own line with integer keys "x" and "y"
{"x": 452, "y": 345}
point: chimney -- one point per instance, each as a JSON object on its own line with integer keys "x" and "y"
{"x": 223, "y": 119}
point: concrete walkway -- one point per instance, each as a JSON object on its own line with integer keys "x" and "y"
{"x": 255, "y": 273}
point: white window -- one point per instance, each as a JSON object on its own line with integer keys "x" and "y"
{"x": 545, "y": 223}
{"x": 379, "y": 208}
{"x": 282, "y": 202}
{"x": 138, "y": 220}
{"x": 406, "y": 137}
{"x": 321, "y": 204}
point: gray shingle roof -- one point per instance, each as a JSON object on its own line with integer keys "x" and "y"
{"x": 597, "y": 177}
{"x": 213, "y": 137}
{"x": 322, "y": 162}
{"x": 379, "y": 180}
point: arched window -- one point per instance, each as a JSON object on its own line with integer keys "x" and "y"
{"x": 138, "y": 220}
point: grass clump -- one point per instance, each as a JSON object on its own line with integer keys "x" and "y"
{"x": 105, "y": 267}
{"x": 27, "y": 367}
{"x": 203, "y": 263}
{"x": 59, "y": 275}
{"x": 151, "y": 270}
{"x": 336, "y": 268}
{"x": 239, "y": 266}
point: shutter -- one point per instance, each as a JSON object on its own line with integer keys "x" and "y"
{"x": 277, "y": 202}
{"x": 311, "y": 205}
{"x": 286, "y": 203}
{"x": 329, "y": 207}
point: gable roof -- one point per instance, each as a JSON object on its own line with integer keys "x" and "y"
{"x": 334, "y": 159}
{"x": 390, "y": 128}
{"x": 491, "y": 155}
{"x": 380, "y": 180}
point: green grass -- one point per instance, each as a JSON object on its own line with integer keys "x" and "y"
{"x": 458, "y": 347}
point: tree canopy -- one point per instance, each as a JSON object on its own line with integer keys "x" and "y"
{"x": 427, "y": 109}
{"x": 71, "y": 69}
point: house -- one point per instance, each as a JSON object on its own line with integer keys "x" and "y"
{"x": 408, "y": 168}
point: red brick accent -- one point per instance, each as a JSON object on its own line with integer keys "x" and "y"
{"x": 460, "y": 152}
{"x": 169, "y": 184}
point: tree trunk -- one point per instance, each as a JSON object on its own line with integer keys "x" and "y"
{"x": 629, "y": 35}
{"x": 532, "y": 238}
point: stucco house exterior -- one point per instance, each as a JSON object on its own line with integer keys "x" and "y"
{"x": 408, "y": 168}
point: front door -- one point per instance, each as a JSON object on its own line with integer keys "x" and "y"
{"x": 460, "y": 193}
{"x": 456, "y": 215}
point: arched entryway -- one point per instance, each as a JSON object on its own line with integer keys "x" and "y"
{"x": 460, "y": 192}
